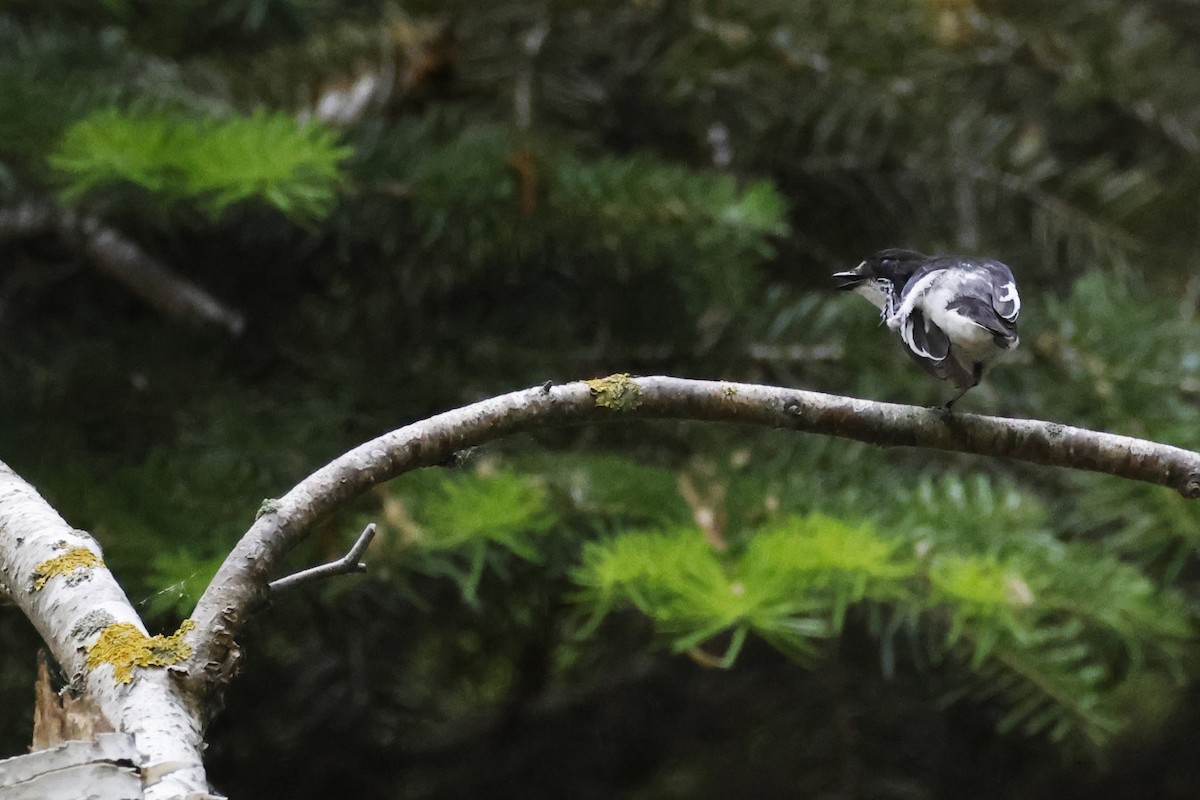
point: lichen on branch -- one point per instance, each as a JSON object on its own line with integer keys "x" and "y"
{"x": 618, "y": 392}
{"x": 241, "y": 582}
{"x": 67, "y": 565}
{"x": 124, "y": 647}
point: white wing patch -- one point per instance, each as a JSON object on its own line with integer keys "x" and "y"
{"x": 906, "y": 333}
{"x": 1008, "y": 302}
{"x": 923, "y": 338}
{"x": 913, "y": 294}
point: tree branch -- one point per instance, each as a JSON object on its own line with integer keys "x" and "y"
{"x": 124, "y": 261}
{"x": 343, "y": 566}
{"x": 241, "y": 582}
{"x": 56, "y": 575}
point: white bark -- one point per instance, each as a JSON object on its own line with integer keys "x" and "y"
{"x": 60, "y": 773}
{"x": 71, "y": 609}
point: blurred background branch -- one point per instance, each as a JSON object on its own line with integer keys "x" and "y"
{"x": 123, "y": 261}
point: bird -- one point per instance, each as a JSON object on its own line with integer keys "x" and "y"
{"x": 955, "y": 314}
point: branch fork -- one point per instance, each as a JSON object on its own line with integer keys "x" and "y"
{"x": 56, "y": 574}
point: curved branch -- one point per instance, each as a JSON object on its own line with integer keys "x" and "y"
{"x": 241, "y": 582}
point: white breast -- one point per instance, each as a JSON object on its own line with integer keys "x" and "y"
{"x": 877, "y": 291}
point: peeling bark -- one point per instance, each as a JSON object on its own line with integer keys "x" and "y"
{"x": 62, "y": 716}
{"x": 72, "y": 602}
{"x": 101, "y": 767}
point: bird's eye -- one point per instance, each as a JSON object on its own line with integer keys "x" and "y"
{"x": 887, "y": 262}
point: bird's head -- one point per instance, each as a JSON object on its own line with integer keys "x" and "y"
{"x": 882, "y": 276}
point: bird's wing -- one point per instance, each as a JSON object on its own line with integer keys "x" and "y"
{"x": 985, "y": 315}
{"x": 919, "y": 283}
{"x": 923, "y": 338}
{"x": 1001, "y": 285}
{"x": 1005, "y": 300}
{"x": 929, "y": 346}
{"x": 995, "y": 305}
{"x": 988, "y": 292}
{"x": 926, "y": 342}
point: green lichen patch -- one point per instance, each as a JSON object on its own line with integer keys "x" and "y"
{"x": 269, "y": 506}
{"x": 90, "y": 624}
{"x": 618, "y": 392}
{"x": 76, "y": 558}
{"x": 124, "y": 647}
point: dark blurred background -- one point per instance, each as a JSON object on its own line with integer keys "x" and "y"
{"x": 238, "y": 237}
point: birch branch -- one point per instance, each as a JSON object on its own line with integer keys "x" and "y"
{"x": 241, "y": 582}
{"x": 56, "y": 575}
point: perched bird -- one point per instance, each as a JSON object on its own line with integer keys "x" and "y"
{"x": 954, "y": 314}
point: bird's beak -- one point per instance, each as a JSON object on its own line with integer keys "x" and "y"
{"x": 850, "y": 278}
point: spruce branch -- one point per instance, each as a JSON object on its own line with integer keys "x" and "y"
{"x": 121, "y": 259}
{"x": 242, "y": 580}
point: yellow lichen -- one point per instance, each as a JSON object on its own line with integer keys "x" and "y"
{"x": 66, "y": 564}
{"x": 618, "y": 392}
{"x": 124, "y": 647}
{"x": 731, "y": 391}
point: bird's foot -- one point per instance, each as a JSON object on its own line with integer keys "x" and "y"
{"x": 945, "y": 411}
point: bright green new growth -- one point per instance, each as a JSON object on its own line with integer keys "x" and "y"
{"x": 1024, "y": 624}
{"x": 213, "y": 162}
{"x": 791, "y": 585}
{"x": 982, "y": 597}
{"x": 978, "y": 589}
{"x": 442, "y": 522}
{"x": 960, "y": 570}
{"x": 505, "y": 509}
{"x": 844, "y": 564}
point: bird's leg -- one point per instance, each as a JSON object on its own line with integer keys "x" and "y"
{"x": 948, "y": 408}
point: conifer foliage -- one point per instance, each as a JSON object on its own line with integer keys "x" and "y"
{"x": 415, "y": 206}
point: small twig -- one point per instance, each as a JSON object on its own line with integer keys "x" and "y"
{"x": 343, "y": 566}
